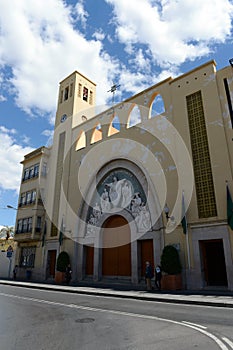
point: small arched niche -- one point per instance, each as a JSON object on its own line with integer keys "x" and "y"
{"x": 157, "y": 106}
{"x": 115, "y": 126}
{"x": 97, "y": 134}
{"x": 134, "y": 117}
{"x": 81, "y": 143}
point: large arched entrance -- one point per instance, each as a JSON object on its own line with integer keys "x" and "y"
{"x": 116, "y": 254}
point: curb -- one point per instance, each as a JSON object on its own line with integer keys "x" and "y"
{"x": 174, "y": 299}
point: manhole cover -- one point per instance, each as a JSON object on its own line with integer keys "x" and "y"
{"x": 85, "y": 320}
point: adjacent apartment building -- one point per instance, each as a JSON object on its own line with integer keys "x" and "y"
{"x": 116, "y": 182}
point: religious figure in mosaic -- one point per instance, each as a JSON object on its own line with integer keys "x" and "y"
{"x": 97, "y": 211}
{"x": 135, "y": 204}
{"x": 105, "y": 201}
{"x": 127, "y": 193}
{"x": 119, "y": 194}
{"x": 115, "y": 192}
{"x": 143, "y": 218}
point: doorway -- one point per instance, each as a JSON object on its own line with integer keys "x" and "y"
{"x": 147, "y": 254}
{"x": 89, "y": 258}
{"x": 51, "y": 263}
{"x": 213, "y": 262}
{"x": 116, "y": 254}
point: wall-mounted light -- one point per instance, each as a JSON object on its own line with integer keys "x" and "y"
{"x": 166, "y": 212}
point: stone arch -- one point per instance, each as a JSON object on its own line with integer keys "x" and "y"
{"x": 95, "y": 238}
{"x": 91, "y": 194}
{"x": 157, "y": 106}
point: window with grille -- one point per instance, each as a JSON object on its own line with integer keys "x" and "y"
{"x": 206, "y": 201}
{"x": 28, "y": 256}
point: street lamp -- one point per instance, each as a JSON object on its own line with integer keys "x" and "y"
{"x": 10, "y": 207}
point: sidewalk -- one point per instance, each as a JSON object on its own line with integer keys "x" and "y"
{"x": 208, "y": 298}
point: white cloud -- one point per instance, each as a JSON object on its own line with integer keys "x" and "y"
{"x": 81, "y": 13}
{"x": 48, "y": 48}
{"x": 49, "y": 45}
{"x": 141, "y": 61}
{"x": 2, "y": 98}
{"x": 174, "y": 31}
{"x": 10, "y": 157}
{"x": 99, "y": 35}
{"x": 47, "y": 132}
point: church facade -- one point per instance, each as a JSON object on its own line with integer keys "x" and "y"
{"x": 117, "y": 182}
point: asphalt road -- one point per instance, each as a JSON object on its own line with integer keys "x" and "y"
{"x": 44, "y": 320}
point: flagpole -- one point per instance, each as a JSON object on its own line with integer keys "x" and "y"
{"x": 188, "y": 250}
{"x": 185, "y": 228}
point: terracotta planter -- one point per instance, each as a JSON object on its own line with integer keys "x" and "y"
{"x": 171, "y": 282}
{"x": 59, "y": 277}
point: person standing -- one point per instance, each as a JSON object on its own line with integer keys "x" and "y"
{"x": 148, "y": 275}
{"x": 158, "y": 277}
{"x": 15, "y": 272}
{"x": 68, "y": 274}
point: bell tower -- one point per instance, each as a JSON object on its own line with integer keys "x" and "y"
{"x": 76, "y": 93}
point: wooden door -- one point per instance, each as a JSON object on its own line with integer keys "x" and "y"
{"x": 147, "y": 254}
{"x": 51, "y": 263}
{"x": 89, "y": 251}
{"x": 116, "y": 254}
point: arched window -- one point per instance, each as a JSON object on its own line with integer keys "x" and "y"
{"x": 134, "y": 117}
{"x": 97, "y": 134}
{"x": 115, "y": 126}
{"x": 81, "y": 143}
{"x": 157, "y": 106}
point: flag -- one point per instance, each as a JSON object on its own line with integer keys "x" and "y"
{"x": 183, "y": 216}
{"x": 61, "y": 233}
{"x": 44, "y": 233}
{"x": 229, "y": 209}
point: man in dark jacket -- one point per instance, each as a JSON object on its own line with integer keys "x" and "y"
{"x": 148, "y": 275}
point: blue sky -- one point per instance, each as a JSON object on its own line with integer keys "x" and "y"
{"x": 132, "y": 43}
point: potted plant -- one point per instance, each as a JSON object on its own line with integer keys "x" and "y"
{"x": 171, "y": 266}
{"x": 63, "y": 261}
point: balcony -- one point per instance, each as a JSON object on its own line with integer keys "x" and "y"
{"x": 22, "y": 236}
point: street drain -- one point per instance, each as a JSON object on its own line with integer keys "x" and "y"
{"x": 85, "y": 320}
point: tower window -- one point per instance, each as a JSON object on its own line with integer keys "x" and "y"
{"x": 85, "y": 93}
{"x": 66, "y": 95}
{"x": 61, "y": 96}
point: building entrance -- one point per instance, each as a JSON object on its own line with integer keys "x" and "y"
{"x": 213, "y": 262}
{"x": 116, "y": 254}
{"x": 89, "y": 259}
{"x": 146, "y": 248}
{"x": 51, "y": 262}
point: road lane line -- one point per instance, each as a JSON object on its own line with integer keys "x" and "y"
{"x": 194, "y": 324}
{"x": 129, "y": 314}
{"x": 228, "y": 341}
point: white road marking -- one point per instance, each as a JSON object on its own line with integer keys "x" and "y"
{"x": 228, "y": 341}
{"x": 194, "y": 324}
{"x": 221, "y": 345}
